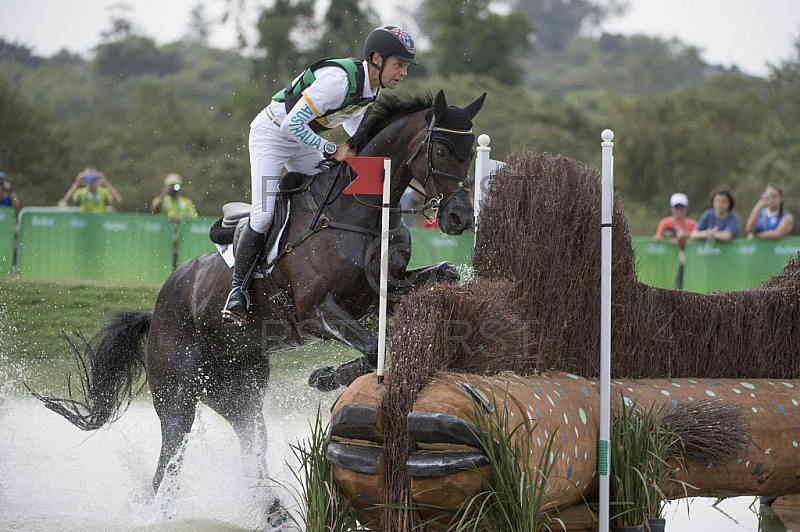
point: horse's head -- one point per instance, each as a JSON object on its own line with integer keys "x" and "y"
{"x": 441, "y": 160}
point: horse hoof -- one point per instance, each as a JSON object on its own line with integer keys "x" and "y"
{"x": 277, "y": 516}
{"x": 448, "y": 272}
{"x": 324, "y": 379}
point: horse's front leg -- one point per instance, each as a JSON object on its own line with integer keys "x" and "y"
{"x": 410, "y": 280}
{"x": 341, "y": 325}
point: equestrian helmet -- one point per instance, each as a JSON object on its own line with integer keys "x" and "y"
{"x": 391, "y": 40}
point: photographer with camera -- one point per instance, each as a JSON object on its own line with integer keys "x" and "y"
{"x": 8, "y": 198}
{"x": 92, "y": 192}
{"x": 170, "y": 201}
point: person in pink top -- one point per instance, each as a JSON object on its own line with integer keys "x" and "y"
{"x": 678, "y": 226}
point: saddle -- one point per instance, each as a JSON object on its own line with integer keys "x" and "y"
{"x": 226, "y": 230}
{"x": 225, "y": 233}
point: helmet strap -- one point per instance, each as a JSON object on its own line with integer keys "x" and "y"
{"x": 378, "y": 68}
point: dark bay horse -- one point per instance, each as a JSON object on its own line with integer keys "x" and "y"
{"x": 329, "y": 280}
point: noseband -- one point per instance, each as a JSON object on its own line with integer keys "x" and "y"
{"x": 435, "y": 203}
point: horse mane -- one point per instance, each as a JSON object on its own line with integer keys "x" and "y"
{"x": 385, "y": 111}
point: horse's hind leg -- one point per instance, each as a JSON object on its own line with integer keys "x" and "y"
{"x": 173, "y": 375}
{"x": 177, "y": 416}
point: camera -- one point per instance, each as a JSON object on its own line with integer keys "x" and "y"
{"x": 173, "y": 190}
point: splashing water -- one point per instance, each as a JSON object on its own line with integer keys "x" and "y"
{"x": 56, "y": 477}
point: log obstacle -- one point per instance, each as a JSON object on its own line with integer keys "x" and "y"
{"x": 529, "y": 322}
{"x": 442, "y": 467}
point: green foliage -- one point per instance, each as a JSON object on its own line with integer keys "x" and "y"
{"x": 278, "y": 27}
{"x": 29, "y": 144}
{"x": 18, "y": 53}
{"x": 679, "y": 124}
{"x": 199, "y": 26}
{"x": 136, "y": 129}
{"x": 556, "y": 22}
{"x": 628, "y": 65}
{"x": 134, "y": 55}
{"x": 691, "y": 140}
{"x": 345, "y": 28}
{"x": 640, "y": 449}
{"x": 514, "y": 496}
{"x": 469, "y": 38}
{"x": 207, "y": 75}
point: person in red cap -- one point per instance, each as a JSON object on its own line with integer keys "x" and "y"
{"x": 678, "y": 226}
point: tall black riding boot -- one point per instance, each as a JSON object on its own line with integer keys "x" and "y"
{"x": 248, "y": 250}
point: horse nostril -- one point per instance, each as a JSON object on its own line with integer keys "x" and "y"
{"x": 456, "y": 222}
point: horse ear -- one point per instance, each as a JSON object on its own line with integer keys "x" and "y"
{"x": 440, "y": 108}
{"x": 472, "y": 109}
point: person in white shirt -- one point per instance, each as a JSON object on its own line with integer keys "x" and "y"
{"x": 329, "y": 93}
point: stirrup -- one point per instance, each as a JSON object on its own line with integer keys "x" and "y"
{"x": 234, "y": 317}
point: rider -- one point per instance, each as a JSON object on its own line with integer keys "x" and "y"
{"x": 329, "y": 93}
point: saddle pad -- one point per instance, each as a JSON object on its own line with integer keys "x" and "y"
{"x": 227, "y": 251}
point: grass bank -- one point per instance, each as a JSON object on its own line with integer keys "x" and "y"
{"x": 34, "y": 312}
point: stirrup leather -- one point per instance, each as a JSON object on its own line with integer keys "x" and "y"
{"x": 233, "y": 316}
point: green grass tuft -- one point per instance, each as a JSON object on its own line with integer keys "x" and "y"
{"x": 322, "y": 505}
{"x": 514, "y": 498}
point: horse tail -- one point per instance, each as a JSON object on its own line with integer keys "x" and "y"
{"x": 110, "y": 367}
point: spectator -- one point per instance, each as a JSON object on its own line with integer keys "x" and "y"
{"x": 92, "y": 192}
{"x": 171, "y": 203}
{"x": 8, "y": 197}
{"x": 719, "y": 222}
{"x": 677, "y": 227}
{"x": 669, "y": 232}
{"x": 768, "y": 220}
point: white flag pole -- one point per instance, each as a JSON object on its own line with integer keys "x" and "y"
{"x": 481, "y": 173}
{"x": 384, "y": 283}
{"x": 603, "y": 456}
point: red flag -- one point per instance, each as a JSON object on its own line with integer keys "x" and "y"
{"x": 369, "y": 178}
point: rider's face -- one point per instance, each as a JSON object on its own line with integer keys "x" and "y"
{"x": 394, "y": 71}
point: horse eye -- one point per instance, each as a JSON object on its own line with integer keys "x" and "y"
{"x": 440, "y": 152}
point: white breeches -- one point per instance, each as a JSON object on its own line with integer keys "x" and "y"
{"x": 270, "y": 152}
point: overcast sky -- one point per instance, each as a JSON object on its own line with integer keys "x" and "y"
{"x": 748, "y": 33}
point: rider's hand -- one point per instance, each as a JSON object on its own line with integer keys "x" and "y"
{"x": 342, "y": 151}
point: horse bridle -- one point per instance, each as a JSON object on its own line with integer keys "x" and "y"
{"x": 435, "y": 203}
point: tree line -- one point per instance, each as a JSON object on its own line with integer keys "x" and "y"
{"x": 138, "y": 111}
